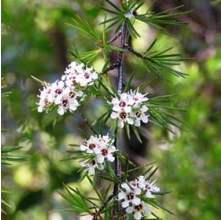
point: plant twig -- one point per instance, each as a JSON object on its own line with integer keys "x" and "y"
{"x": 130, "y": 49}
{"x": 97, "y": 214}
{"x": 117, "y": 172}
{"x": 119, "y": 89}
{"x": 105, "y": 202}
{"x": 111, "y": 67}
{"x": 117, "y": 35}
{"x": 120, "y": 58}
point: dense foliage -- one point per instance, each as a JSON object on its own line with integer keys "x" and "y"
{"x": 35, "y": 39}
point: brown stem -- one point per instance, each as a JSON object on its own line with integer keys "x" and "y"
{"x": 120, "y": 58}
{"x": 119, "y": 89}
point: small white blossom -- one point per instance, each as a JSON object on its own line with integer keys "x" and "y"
{"x": 151, "y": 188}
{"x": 102, "y": 148}
{"x": 65, "y": 94}
{"x": 90, "y": 145}
{"x": 145, "y": 185}
{"x": 132, "y": 193}
{"x": 140, "y": 182}
{"x": 138, "y": 97}
{"x": 74, "y": 67}
{"x": 105, "y": 152}
{"x": 57, "y": 89}
{"x": 139, "y": 210}
{"x": 67, "y": 102}
{"x": 130, "y": 108}
{"x": 45, "y": 97}
{"x": 87, "y": 78}
{"x": 129, "y": 195}
{"x": 92, "y": 166}
{"x": 123, "y": 117}
{"x": 79, "y": 74}
{"x": 105, "y": 140}
{"x": 140, "y": 115}
{"x": 125, "y": 102}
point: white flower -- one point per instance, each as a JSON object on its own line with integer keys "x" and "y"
{"x": 124, "y": 103}
{"x": 105, "y": 140}
{"x": 65, "y": 98}
{"x": 132, "y": 194}
{"x": 150, "y": 188}
{"x": 138, "y": 97}
{"x": 79, "y": 74}
{"x": 45, "y": 97}
{"x": 43, "y": 102}
{"x": 67, "y": 102}
{"x": 145, "y": 185}
{"x": 64, "y": 94}
{"x": 74, "y": 67}
{"x": 139, "y": 210}
{"x": 105, "y": 152}
{"x": 140, "y": 182}
{"x": 140, "y": 115}
{"x": 87, "y": 77}
{"x": 102, "y": 148}
{"x": 129, "y": 108}
{"x": 57, "y": 87}
{"x": 129, "y": 195}
{"x": 92, "y": 166}
{"x": 123, "y": 117}
{"x": 90, "y": 145}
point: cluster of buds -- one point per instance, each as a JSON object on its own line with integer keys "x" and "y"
{"x": 65, "y": 94}
{"x": 131, "y": 195}
{"x": 130, "y": 108}
{"x": 98, "y": 148}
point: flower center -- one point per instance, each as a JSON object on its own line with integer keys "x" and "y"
{"x": 46, "y": 102}
{"x": 65, "y": 102}
{"x": 138, "y": 207}
{"x": 135, "y": 184}
{"x": 86, "y": 75}
{"x": 148, "y": 187}
{"x": 93, "y": 162}
{"x": 104, "y": 152}
{"x": 92, "y": 146}
{"x": 138, "y": 114}
{"x": 134, "y": 13}
{"x": 130, "y": 196}
{"x": 73, "y": 79}
{"x": 49, "y": 91}
{"x": 122, "y": 104}
{"x": 123, "y": 115}
{"x": 71, "y": 94}
{"x": 58, "y": 91}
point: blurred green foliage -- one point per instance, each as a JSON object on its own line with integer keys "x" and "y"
{"x": 36, "y": 41}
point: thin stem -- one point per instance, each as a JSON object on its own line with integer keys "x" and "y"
{"x": 97, "y": 214}
{"x": 130, "y": 49}
{"x": 111, "y": 67}
{"x": 114, "y": 37}
{"x": 117, "y": 172}
{"x": 133, "y": 51}
{"x": 119, "y": 89}
{"x": 120, "y": 58}
{"x": 105, "y": 202}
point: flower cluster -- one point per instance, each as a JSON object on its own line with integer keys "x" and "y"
{"x": 132, "y": 193}
{"x": 98, "y": 148}
{"x": 130, "y": 108}
{"x": 65, "y": 94}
